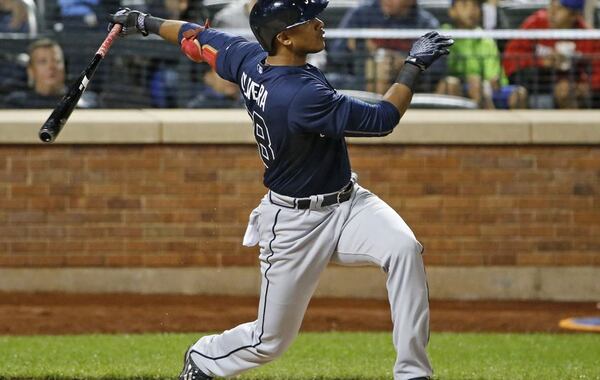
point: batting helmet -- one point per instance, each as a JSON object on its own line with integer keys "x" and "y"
{"x": 269, "y": 17}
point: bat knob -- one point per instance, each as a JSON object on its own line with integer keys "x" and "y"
{"x": 46, "y": 136}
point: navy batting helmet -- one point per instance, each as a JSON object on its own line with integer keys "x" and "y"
{"x": 269, "y": 17}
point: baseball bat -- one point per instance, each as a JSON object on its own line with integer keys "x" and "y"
{"x": 65, "y": 106}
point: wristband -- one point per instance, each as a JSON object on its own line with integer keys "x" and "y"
{"x": 409, "y": 74}
{"x": 151, "y": 24}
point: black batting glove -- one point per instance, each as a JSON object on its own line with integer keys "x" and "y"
{"x": 133, "y": 21}
{"x": 428, "y": 48}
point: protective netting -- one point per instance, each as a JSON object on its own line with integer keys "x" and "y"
{"x": 485, "y": 70}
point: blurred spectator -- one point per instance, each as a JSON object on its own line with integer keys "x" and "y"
{"x": 175, "y": 8}
{"x": 385, "y": 56}
{"x": 80, "y": 14}
{"x": 126, "y": 84}
{"x": 90, "y": 14}
{"x": 234, "y": 15}
{"x": 13, "y": 73}
{"x": 489, "y": 10}
{"x": 158, "y": 76}
{"x": 168, "y": 9}
{"x": 46, "y": 76}
{"x": 474, "y": 65}
{"x": 163, "y": 82}
{"x": 216, "y": 92}
{"x": 161, "y": 75}
{"x": 13, "y": 17}
{"x": 186, "y": 10}
{"x": 558, "y": 74}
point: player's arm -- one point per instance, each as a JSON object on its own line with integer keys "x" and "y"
{"x": 317, "y": 108}
{"x": 134, "y": 21}
{"x": 173, "y": 31}
{"x": 424, "y": 52}
{"x": 381, "y": 119}
{"x": 198, "y": 42}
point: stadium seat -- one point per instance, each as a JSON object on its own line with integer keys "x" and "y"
{"x": 335, "y": 11}
{"x": 49, "y": 15}
{"x": 213, "y": 6}
{"x": 439, "y": 9}
{"x": 512, "y": 14}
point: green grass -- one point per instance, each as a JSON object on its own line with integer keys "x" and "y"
{"x": 313, "y": 356}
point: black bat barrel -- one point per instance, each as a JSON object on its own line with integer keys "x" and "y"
{"x": 65, "y": 107}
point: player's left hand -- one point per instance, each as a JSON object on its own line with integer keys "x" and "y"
{"x": 133, "y": 21}
{"x": 428, "y": 48}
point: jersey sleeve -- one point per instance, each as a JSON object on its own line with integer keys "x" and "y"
{"x": 317, "y": 108}
{"x": 232, "y": 51}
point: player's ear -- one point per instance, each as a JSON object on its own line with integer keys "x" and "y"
{"x": 284, "y": 39}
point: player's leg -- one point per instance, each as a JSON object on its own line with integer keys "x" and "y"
{"x": 295, "y": 248}
{"x": 375, "y": 234}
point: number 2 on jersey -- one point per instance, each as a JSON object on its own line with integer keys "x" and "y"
{"x": 261, "y": 133}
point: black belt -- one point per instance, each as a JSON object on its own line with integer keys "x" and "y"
{"x": 328, "y": 200}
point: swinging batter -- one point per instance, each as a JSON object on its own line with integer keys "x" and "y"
{"x": 314, "y": 211}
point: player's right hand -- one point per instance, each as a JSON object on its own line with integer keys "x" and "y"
{"x": 133, "y": 21}
{"x": 428, "y": 48}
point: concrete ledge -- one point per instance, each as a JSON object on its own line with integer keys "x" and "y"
{"x": 234, "y": 127}
{"x": 206, "y": 126}
{"x": 563, "y": 127}
{"x": 457, "y": 283}
{"x": 515, "y": 283}
{"x": 83, "y": 127}
{"x": 457, "y": 127}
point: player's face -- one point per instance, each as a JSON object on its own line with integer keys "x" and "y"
{"x": 308, "y": 38}
{"x": 47, "y": 70}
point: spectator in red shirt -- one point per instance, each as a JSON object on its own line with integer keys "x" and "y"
{"x": 558, "y": 73}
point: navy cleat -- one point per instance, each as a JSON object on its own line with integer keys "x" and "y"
{"x": 190, "y": 370}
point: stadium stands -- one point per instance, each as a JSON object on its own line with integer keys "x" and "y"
{"x": 129, "y": 71}
{"x": 512, "y": 14}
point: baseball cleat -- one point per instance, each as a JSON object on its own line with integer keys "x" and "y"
{"x": 190, "y": 370}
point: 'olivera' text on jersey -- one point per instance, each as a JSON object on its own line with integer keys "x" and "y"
{"x": 254, "y": 91}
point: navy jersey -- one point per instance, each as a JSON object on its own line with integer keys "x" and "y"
{"x": 299, "y": 120}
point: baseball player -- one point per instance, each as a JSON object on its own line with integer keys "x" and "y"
{"x": 314, "y": 211}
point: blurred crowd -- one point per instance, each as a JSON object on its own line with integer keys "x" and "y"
{"x": 45, "y": 43}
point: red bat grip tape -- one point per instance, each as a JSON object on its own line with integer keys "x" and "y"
{"x": 114, "y": 32}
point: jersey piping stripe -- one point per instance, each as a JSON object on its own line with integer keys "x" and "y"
{"x": 264, "y": 307}
{"x": 427, "y": 290}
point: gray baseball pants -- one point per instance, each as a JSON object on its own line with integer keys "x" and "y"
{"x": 295, "y": 247}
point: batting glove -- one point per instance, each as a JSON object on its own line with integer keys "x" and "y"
{"x": 133, "y": 21}
{"x": 428, "y": 48}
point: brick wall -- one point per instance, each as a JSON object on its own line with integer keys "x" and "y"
{"x": 165, "y": 205}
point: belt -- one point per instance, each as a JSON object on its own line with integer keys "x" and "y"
{"x": 329, "y": 199}
{"x": 314, "y": 201}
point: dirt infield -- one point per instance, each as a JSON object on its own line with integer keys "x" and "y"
{"x": 53, "y": 313}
